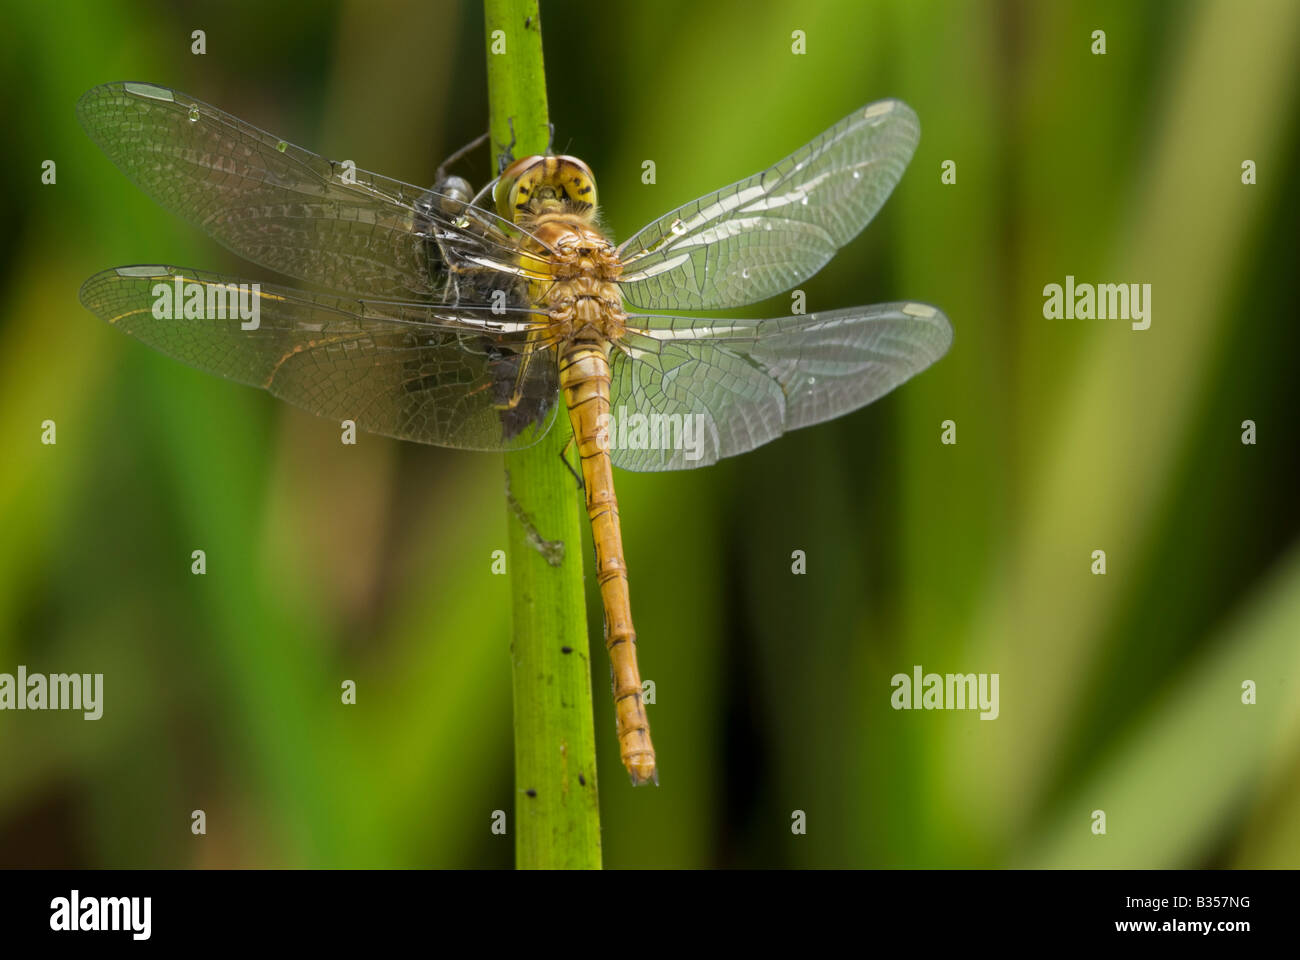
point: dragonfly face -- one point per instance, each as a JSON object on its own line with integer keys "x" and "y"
{"x": 534, "y": 186}
{"x": 454, "y": 324}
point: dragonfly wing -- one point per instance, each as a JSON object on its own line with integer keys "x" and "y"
{"x": 722, "y": 387}
{"x": 764, "y": 235}
{"x": 676, "y": 405}
{"x": 416, "y": 371}
{"x": 284, "y": 207}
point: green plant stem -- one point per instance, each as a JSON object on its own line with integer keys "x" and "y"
{"x": 557, "y": 819}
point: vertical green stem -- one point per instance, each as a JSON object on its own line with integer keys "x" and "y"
{"x": 557, "y": 819}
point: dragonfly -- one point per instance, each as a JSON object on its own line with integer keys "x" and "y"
{"x": 467, "y": 319}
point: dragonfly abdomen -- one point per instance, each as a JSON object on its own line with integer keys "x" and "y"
{"x": 584, "y": 379}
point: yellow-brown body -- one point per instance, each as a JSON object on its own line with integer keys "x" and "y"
{"x": 577, "y": 267}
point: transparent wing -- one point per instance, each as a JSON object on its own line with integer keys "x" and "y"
{"x": 722, "y": 387}
{"x": 286, "y": 208}
{"x": 451, "y": 376}
{"x": 762, "y": 236}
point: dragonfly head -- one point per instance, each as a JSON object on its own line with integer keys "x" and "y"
{"x": 533, "y": 186}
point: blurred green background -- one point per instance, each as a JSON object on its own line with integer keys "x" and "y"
{"x": 372, "y": 563}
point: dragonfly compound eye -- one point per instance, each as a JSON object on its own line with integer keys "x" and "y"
{"x": 577, "y": 181}
{"x": 532, "y": 186}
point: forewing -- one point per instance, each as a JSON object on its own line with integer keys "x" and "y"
{"x": 450, "y": 376}
{"x": 764, "y": 235}
{"x": 723, "y": 387}
{"x": 284, "y": 207}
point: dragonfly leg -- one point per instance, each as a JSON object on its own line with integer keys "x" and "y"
{"x": 508, "y": 151}
{"x": 517, "y": 393}
{"x": 577, "y": 476}
{"x": 476, "y": 142}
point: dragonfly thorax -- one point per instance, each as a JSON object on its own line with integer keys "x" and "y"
{"x": 585, "y": 310}
{"x": 581, "y": 293}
